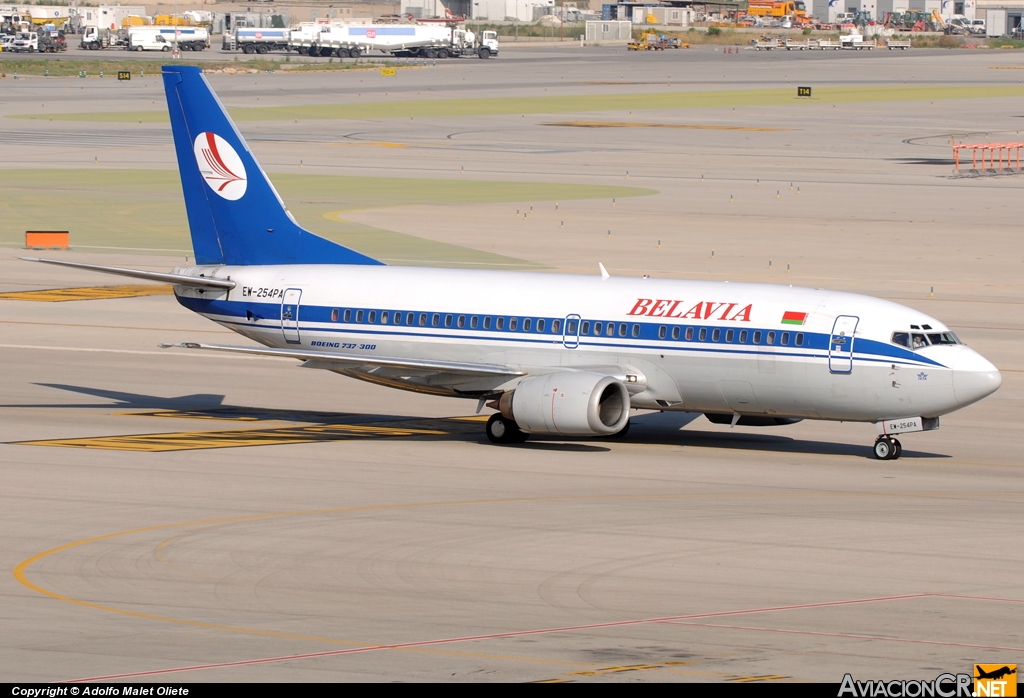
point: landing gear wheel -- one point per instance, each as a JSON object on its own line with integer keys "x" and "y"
{"x": 504, "y": 431}
{"x": 899, "y": 449}
{"x": 885, "y": 448}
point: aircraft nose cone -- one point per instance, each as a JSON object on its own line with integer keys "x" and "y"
{"x": 974, "y": 377}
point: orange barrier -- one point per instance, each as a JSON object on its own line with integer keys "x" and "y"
{"x": 988, "y": 152}
{"x": 47, "y": 238}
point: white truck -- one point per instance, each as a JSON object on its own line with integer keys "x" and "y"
{"x": 25, "y": 41}
{"x": 410, "y": 40}
{"x": 96, "y": 38}
{"x": 164, "y": 38}
{"x": 252, "y": 40}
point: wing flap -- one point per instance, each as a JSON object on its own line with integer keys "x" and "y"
{"x": 352, "y": 360}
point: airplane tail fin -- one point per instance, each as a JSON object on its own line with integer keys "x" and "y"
{"x": 234, "y": 213}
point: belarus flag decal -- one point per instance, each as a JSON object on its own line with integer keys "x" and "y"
{"x": 791, "y": 318}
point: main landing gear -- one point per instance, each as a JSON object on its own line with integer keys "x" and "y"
{"x": 887, "y": 448}
{"x": 502, "y": 430}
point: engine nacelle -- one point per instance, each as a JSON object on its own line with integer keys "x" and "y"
{"x": 569, "y": 404}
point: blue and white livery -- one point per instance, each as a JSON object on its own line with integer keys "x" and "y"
{"x": 551, "y": 353}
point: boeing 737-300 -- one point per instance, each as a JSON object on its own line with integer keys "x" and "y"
{"x": 551, "y": 353}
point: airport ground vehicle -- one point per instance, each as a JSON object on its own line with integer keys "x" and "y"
{"x": 855, "y": 42}
{"x": 95, "y": 39}
{"x": 402, "y": 40}
{"x": 152, "y": 38}
{"x": 767, "y": 8}
{"x": 893, "y": 44}
{"x": 25, "y": 42}
{"x": 256, "y": 40}
{"x": 977, "y": 26}
{"x": 52, "y": 42}
{"x": 6, "y": 42}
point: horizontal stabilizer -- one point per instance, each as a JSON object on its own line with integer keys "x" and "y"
{"x": 176, "y": 279}
{"x": 352, "y": 360}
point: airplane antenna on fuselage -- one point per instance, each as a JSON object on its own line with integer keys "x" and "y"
{"x": 604, "y": 272}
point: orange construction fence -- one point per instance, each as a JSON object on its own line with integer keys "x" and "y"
{"x": 47, "y": 238}
{"x": 988, "y": 153}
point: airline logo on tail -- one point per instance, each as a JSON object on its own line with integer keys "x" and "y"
{"x": 220, "y": 166}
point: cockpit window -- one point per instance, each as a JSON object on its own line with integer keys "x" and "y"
{"x": 943, "y": 338}
{"x": 918, "y": 340}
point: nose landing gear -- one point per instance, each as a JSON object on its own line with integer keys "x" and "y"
{"x": 887, "y": 448}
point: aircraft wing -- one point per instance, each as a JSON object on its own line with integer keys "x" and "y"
{"x": 178, "y": 279}
{"x": 354, "y": 360}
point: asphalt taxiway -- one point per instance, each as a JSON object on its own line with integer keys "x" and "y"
{"x": 174, "y": 516}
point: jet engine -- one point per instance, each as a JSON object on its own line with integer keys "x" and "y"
{"x": 569, "y": 404}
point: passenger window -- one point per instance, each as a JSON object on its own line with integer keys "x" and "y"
{"x": 513, "y": 323}
{"x": 334, "y": 315}
{"x": 662, "y": 331}
{"x": 729, "y": 334}
{"x": 398, "y": 318}
{"x": 348, "y": 315}
{"x": 609, "y": 330}
{"x": 499, "y": 324}
{"x": 527, "y": 324}
{"x": 384, "y": 317}
{"x": 771, "y": 338}
{"x": 598, "y": 328}
{"x": 799, "y": 339}
{"x": 716, "y": 335}
{"x": 675, "y": 332}
{"x": 473, "y": 321}
{"x": 487, "y": 322}
{"x": 757, "y": 337}
{"x": 447, "y": 320}
{"x": 462, "y": 321}
{"x": 423, "y": 319}
{"x": 410, "y": 319}
{"x": 622, "y": 329}
{"x": 540, "y": 325}
{"x": 435, "y": 319}
{"x": 359, "y": 316}
{"x": 372, "y": 317}
{"x": 584, "y": 328}
{"x": 636, "y": 330}
{"x": 743, "y": 336}
{"x": 556, "y": 326}
{"x": 689, "y": 333}
{"x": 919, "y": 340}
{"x": 703, "y": 335}
{"x": 901, "y": 338}
{"x": 785, "y": 339}
{"x": 570, "y": 326}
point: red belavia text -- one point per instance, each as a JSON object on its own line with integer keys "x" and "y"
{"x": 704, "y": 310}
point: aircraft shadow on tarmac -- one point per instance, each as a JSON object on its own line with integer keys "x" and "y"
{"x": 655, "y": 428}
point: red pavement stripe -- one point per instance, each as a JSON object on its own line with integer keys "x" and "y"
{"x": 496, "y": 636}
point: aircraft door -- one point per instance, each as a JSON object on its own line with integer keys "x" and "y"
{"x": 840, "y": 345}
{"x": 290, "y": 314}
{"x": 571, "y": 331}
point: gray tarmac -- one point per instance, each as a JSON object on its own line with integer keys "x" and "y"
{"x": 213, "y": 513}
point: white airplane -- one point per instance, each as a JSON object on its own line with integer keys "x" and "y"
{"x": 553, "y": 354}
